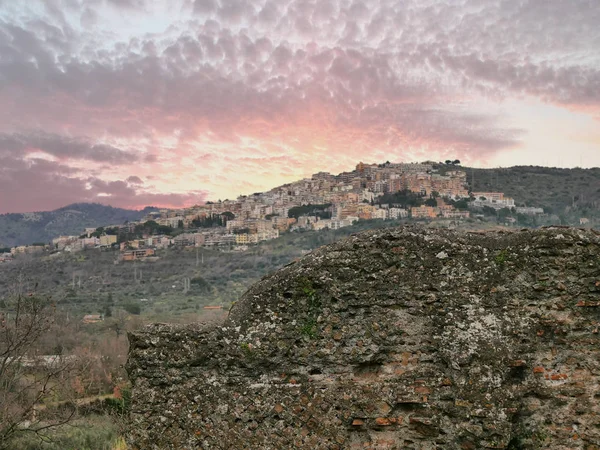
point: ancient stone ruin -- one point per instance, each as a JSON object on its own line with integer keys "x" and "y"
{"x": 397, "y": 339}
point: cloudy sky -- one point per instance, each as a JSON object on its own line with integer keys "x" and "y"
{"x": 174, "y": 102}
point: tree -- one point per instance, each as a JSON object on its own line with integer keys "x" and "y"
{"x": 431, "y": 202}
{"x": 119, "y": 322}
{"x": 462, "y": 204}
{"x": 504, "y": 213}
{"x": 489, "y": 211}
{"x": 132, "y": 308}
{"x": 26, "y": 378}
{"x": 322, "y": 211}
{"x": 456, "y": 162}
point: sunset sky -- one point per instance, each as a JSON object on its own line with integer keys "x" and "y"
{"x": 175, "y": 102}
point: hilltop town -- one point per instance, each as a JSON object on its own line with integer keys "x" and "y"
{"x": 388, "y": 191}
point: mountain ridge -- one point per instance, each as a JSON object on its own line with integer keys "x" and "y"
{"x": 43, "y": 226}
{"x": 557, "y": 190}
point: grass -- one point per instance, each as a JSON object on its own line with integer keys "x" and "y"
{"x": 500, "y": 258}
{"x": 309, "y": 328}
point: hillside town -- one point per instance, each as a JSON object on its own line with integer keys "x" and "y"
{"x": 388, "y": 191}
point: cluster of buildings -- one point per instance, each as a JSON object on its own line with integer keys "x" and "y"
{"x": 218, "y": 238}
{"x": 343, "y": 199}
{"x": 498, "y": 201}
{"x": 350, "y": 196}
{"x": 27, "y": 249}
{"x": 75, "y": 243}
{"x": 332, "y": 201}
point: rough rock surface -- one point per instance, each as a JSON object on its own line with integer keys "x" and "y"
{"x": 396, "y": 339}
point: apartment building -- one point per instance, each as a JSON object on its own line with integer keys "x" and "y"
{"x": 424, "y": 212}
{"x": 107, "y": 240}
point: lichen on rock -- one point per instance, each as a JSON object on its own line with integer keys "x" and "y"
{"x": 405, "y": 338}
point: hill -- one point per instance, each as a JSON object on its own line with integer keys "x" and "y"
{"x": 27, "y": 228}
{"x": 567, "y": 193}
{"x": 558, "y": 191}
{"x": 89, "y": 282}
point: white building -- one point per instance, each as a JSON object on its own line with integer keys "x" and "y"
{"x": 529, "y": 210}
{"x": 397, "y": 213}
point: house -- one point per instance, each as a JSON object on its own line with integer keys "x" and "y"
{"x": 529, "y": 210}
{"x": 133, "y": 255}
{"x": 491, "y": 196}
{"x": 62, "y": 241}
{"x": 87, "y": 243}
{"x": 107, "y": 240}
{"x": 379, "y": 214}
{"x": 397, "y": 213}
{"x": 321, "y": 224}
{"x": 17, "y": 250}
{"x": 455, "y": 214}
{"x": 424, "y": 212}
{"x": 245, "y": 239}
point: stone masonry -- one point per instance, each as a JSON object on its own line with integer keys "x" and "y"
{"x": 402, "y": 338}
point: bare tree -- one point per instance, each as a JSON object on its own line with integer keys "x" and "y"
{"x": 26, "y": 377}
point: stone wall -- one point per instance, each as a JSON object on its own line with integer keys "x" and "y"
{"x": 391, "y": 339}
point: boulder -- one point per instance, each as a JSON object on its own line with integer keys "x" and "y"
{"x": 405, "y": 338}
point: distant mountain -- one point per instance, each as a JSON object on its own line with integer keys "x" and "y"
{"x": 27, "y": 228}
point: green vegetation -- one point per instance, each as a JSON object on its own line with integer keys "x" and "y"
{"x": 89, "y": 282}
{"x": 215, "y": 220}
{"x": 402, "y": 199}
{"x": 149, "y": 227}
{"x": 570, "y": 193}
{"x": 247, "y": 350}
{"x": 309, "y": 295}
{"x": 309, "y": 328}
{"x": 501, "y": 256}
{"x": 322, "y": 211}
{"x": 132, "y": 308}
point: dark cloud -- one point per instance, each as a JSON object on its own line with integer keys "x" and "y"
{"x": 574, "y": 85}
{"x": 134, "y": 180}
{"x": 63, "y": 147}
{"x": 205, "y": 6}
{"x": 234, "y": 11}
{"x": 38, "y": 184}
{"x": 359, "y": 74}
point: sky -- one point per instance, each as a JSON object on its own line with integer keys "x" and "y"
{"x": 175, "y": 102}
